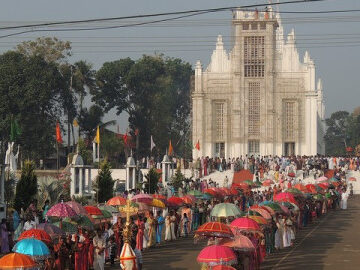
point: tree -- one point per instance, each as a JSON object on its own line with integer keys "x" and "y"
{"x": 26, "y": 188}
{"x": 31, "y": 93}
{"x": 85, "y": 152}
{"x": 50, "y": 49}
{"x": 104, "y": 183}
{"x": 51, "y": 189}
{"x": 177, "y": 179}
{"x": 89, "y": 119}
{"x": 154, "y": 91}
{"x": 111, "y": 147}
{"x": 152, "y": 179}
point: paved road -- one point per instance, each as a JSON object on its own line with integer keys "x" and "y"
{"x": 332, "y": 242}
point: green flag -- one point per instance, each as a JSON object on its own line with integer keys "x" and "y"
{"x": 15, "y": 130}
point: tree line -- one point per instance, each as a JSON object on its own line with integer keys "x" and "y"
{"x": 40, "y": 87}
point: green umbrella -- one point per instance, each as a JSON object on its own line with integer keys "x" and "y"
{"x": 67, "y": 226}
{"x": 109, "y": 208}
{"x": 207, "y": 196}
{"x": 333, "y": 179}
{"x": 225, "y": 210}
{"x": 83, "y": 221}
{"x": 273, "y": 205}
{"x": 294, "y": 191}
{"x": 105, "y": 214}
{"x": 249, "y": 182}
{"x": 196, "y": 193}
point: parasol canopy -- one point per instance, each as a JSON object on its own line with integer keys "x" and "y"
{"x": 260, "y": 220}
{"x": 225, "y": 210}
{"x": 51, "y": 229}
{"x": 104, "y": 215}
{"x": 301, "y": 187}
{"x": 207, "y": 196}
{"x": 239, "y": 243}
{"x": 246, "y": 224}
{"x": 142, "y": 198}
{"x": 157, "y": 203}
{"x": 159, "y": 196}
{"x": 268, "y": 182}
{"x": 353, "y": 179}
{"x": 32, "y": 247}
{"x": 211, "y": 192}
{"x": 175, "y": 201}
{"x": 195, "y": 193}
{"x": 82, "y": 221}
{"x": 214, "y": 229}
{"x": 223, "y": 267}
{"x": 68, "y": 226}
{"x": 77, "y": 207}
{"x": 61, "y": 210}
{"x": 16, "y": 261}
{"x": 273, "y": 205}
{"x": 109, "y": 208}
{"x": 189, "y": 199}
{"x": 216, "y": 254}
{"x": 93, "y": 210}
{"x": 285, "y": 197}
{"x": 37, "y": 234}
{"x": 116, "y": 201}
{"x": 321, "y": 179}
{"x": 265, "y": 214}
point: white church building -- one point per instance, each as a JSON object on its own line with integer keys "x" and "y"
{"x": 260, "y": 98}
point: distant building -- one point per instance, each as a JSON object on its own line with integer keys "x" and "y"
{"x": 258, "y": 99}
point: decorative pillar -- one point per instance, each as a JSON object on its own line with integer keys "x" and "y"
{"x": 81, "y": 175}
{"x": 89, "y": 180}
{"x": 130, "y": 173}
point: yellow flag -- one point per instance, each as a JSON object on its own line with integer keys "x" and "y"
{"x": 97, "y": 138}
{"x": 170, "y": 148}
{"x": 75, "y": 123}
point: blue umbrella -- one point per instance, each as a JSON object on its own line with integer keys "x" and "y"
{"x": 32, "y": 247}
{"x": 206, "y": 196}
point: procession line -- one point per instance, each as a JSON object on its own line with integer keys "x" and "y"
{"x": 289, "y": 253}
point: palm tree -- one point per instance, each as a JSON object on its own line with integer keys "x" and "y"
{"x": 49, "y": 188}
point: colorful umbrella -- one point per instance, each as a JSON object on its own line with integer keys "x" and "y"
{"x": 333, "y": 179}
{"x": 195, "y": 193}
{"x": 189, "y": 199}
{"x": 16, "y": 261}
{"x": 61, "y": 210}
{"x": 51, "y": 229}
{"x": 68, "y": 226}
{"x": 273, "y": 205}
{"x": 295, "y": 191}
{"x": 268, "y": 209}
{"x": 158, "y": 203}
{"x": 77, "y": 207}
{"x": 291, "y": 174}
{"x": 82, "y": 221}
{"x": 211, "y": 192}
{"x": 234, "y": 191}
{"x": 32, "y": 247}
{"x": 222, "y": 267}
{"x": 321, "y": 179}
{"x": 142, "y": 198}
{"x": 207, "y": 196}
{"x": 37, "y": 234}
{"x": 214, "y": 229}
{"x": 241, "y": 185}
{"x": 226, "y": 191}
{"x": 116, "y": 201}
{"x": 239, "y": 243}
{"x": 216, "y": 254}
{"x": 323, "y": 185}
{"x": 268, "y": 182}
{"x": 353, "y": 179}
{"x": 301, "y": 187}
{"x": 260, "y": 220}
{"x": 311, "y": 188}
{"x": 285, "y": 197}
{"x": 104, "y": 214}
{"x": 246, "y": 224}
{"x": 109, "y": 208}
{"x": 159, "y": 197}
{"x": 225, "y": 210}
{"x": 265, "y": 214}
{"x": 175, "y": 200}
{"x": 93, "y": 210}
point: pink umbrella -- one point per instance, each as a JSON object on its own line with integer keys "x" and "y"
{"x": 246, "y": 224}
{"x": 285, "y": 197}
{"x": 216, "y": 254}
{"x": 142, "y": 198}
{"x": 239, "y": 243}
{"x": 265, "y": 214}
{"x": 61, "y": 210}
{"x": 321, "y": 179}
{"x": 77, "y": 207}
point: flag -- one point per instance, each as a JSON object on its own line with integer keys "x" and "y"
{"x": 58, "y": 133}
{"x": 75, "y": 123}
{"x": 152, "y": 144}
{"x": 136, "y": 132}
{"x": 15, "y": 130}
{"x": 170, "y": 149}
{"x": 197, "y": 146}
{"x": 125, "y": 138}
{"x": 97, "y": 137}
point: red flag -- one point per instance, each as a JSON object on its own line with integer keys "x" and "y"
{"x": 58, "y": 133}
{"x": 170, "y": 149}
{"x": 125, "y": 138}
{"x": 197, "y": 146}
{"x": 136, "y": 132}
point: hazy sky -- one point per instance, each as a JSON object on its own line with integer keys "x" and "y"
{"x": 333, "y": 40}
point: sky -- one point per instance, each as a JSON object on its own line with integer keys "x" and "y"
{"x": 333, "y": 40}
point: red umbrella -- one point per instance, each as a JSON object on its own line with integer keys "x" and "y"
{"x": 226, "y": 191}
{"x": 223, "y": 267}
{"x": 311, "y": 188}
{"x": 93, "y": 210}
{"x": 242, "y": 185}
{"x": 189, "y": 199}
{"x": 211, "y": 192}
{"x": 301, "y": 187}
{"x": 291, "y": 174}
{"x": 175, "y": 201}
{"x": 159, "y": 196}
{"x": 240, "y": 243}
{"x": 234, "y": 191}
{"x": 116, "y": 201}
{"x": 285, "y": 197}
{"x": 37, "y": 234}
{"x": 246, "y": 224}
{"x": 17, "y": 261}
{"x": 323, "y": 185}
{"x": 214, "y": 255}
{"x": 61, "y": 210}
{"x": 214, "y": 229}
{"x": 353, "y": 179}
{"x": 268, "y": 182}
{"x": 77, "y": 207}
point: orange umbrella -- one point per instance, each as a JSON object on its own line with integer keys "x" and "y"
{"x": 37, "y": 234}
{"x": 211, "y": 192}
{"x": 115, "y": 201}
{"x": 301, "y": 187}
{"x": 93, "y": 210}
{"x": 189, "y": 199}
{"x": 214, "y": 229}
{"x": 353, "y": 179}
{"x": 16, "y": 261}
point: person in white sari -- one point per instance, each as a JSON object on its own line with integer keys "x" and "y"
{"x": 344, "y": 198}
{"x": 170, "y": 227}
{"x": 146, "y": 234}
{"x": 279, "y": 243}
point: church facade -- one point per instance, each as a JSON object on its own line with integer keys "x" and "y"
{"x": 259, "y": 98}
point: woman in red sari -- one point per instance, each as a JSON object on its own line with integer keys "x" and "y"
{"x": 77, "y": 253}
{"x": 140, "y": 234}
{"x": 118, "y": 231}
{"x": 60, "y": 254}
